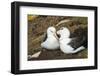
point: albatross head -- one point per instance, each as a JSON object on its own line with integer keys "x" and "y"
{"x": 64, "y": 32}
{"x": 51, "y": 31}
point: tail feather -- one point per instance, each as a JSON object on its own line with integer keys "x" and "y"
{"x": 78, "y": 49}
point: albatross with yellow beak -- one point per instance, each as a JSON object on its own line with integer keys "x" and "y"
{"x": 51, "y": 41}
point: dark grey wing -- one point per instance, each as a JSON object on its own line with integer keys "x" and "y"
{"x": 78, "y": 41}
{"x": 79, "y": 32}
{"x": 74, "y": 42}
{"x": 79, "y": 38}
{"x": 44, "y": 37}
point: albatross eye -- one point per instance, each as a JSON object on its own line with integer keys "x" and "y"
{"x": 61, "y": 28}
{"x": 51, "y": 31}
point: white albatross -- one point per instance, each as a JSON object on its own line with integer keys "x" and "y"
{"x": 64, "y": 41}
{"x": 51, "y": 41}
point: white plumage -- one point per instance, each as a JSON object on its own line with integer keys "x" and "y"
{"x": 64, "y": 41}
{"x": 51, "y": 42}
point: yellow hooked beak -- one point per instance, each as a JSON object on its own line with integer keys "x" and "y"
{"x": 55, "y": 35}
